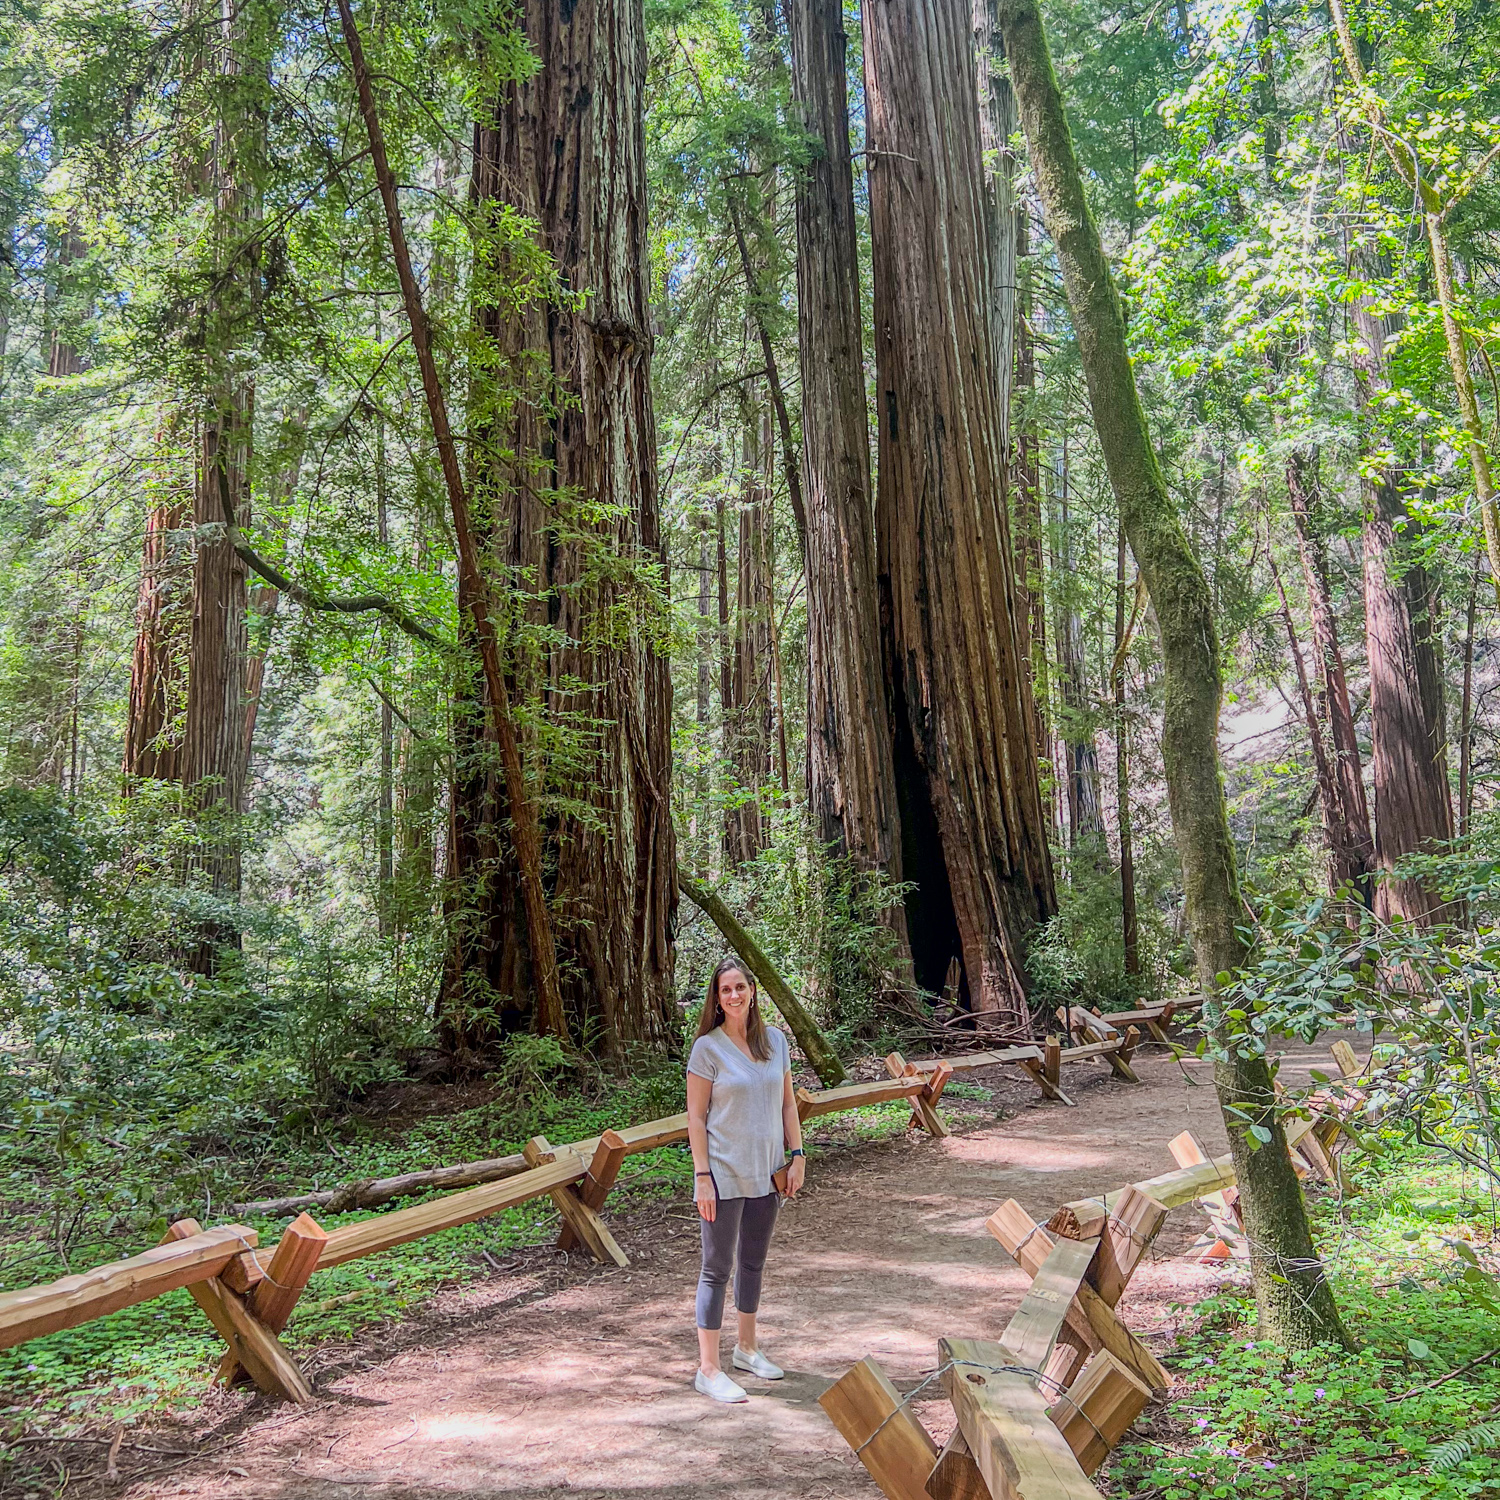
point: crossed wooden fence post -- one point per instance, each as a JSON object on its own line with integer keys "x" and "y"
{"x": 1041, "y": 1409}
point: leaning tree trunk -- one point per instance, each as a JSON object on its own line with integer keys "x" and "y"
{"x": 1353, "y": 853}
{"x": 1292, "y": 1293}
{"x": 566, "y": 147}
{"x": 851, "y": 773}
{"x": 974, "y": 838}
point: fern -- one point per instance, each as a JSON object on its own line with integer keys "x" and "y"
{"x": 1450, "y": 1454}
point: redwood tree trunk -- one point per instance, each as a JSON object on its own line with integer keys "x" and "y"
{"x": 163, "y": 622}
{"x": 1408, "y": 742}
{"x": 1348, "y": 818}
{"x": 214, "y": 760}
{"x": 566, "y": 148}
{"x": 851, "y": 773}
{"x": 975, "y": 842}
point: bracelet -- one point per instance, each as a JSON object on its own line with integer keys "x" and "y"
{"x": 703, "y": 1174}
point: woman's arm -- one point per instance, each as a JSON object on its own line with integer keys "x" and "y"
{"x": 791, "y": 1129}
{"x": 700, "y": 1091}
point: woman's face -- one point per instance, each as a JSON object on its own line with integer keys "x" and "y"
{"x": 735, "y": 991}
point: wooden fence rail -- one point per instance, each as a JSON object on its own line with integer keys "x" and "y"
{"x": 1040, "y": 1410}
{"x": 248, "y": 1291}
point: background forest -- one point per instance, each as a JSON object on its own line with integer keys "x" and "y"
{"x": 339, "y": 750}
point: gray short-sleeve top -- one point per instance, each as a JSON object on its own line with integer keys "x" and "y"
{"x": 746, "y": 1142}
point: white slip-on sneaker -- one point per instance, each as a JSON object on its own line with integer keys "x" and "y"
{"x": 756, "y": 1363}
{"x": 719, "y": 1386}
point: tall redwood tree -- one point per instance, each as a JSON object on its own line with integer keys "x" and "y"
{"x": 954, "y": 627}
{"x": 567, "y": 489}
{"x": 851, "y": 773}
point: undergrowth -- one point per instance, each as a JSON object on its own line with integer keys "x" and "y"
{"x": 1410, "y": 1258}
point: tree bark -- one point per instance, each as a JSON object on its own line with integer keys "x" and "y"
{"x": 1085, "y": 815}
{"x": 973, "y": 833}
{"x": 525, "y": 833}
{"x": 1292, "y": 1293}
{"x": 755, "y": 297}
{"x": 1408, "y": 740}
{"x": 163, "y": 623}
{"x": 1351, "y": 849}
{"x": 851, "y": 773}
{"x": 1026, "y": 505}
{"x": 565, "y": 146}
{"x": 750, "y": 726}
{"x": 1130, "y": 933}
{"x": 1323, "y": 771}
{"x": 1466, "y": 714}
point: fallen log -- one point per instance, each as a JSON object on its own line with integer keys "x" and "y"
{"x": 374, "y": 1192}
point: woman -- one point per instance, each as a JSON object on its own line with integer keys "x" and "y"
{"x": 742, "y": 1117}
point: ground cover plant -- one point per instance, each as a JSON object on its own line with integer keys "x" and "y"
{"x": 1410, "y": 1414}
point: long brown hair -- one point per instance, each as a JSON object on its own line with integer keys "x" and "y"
{"x": 755, "y": 1023}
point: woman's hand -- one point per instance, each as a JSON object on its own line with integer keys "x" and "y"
{"x": 706, "y": 1198}
{"x": 796, "y": 1175}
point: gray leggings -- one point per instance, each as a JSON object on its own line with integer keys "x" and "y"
{"x": 745, "y": 1223}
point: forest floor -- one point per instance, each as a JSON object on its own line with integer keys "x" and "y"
{"x": 558, "y": 1379}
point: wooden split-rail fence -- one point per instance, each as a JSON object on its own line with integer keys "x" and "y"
{"x": 1038, "y": 1411}
{"x": 248, "y": 1291}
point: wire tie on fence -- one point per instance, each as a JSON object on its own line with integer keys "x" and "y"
{"x": 942, "y": 1370}
{"x": 254, "y": 1252}
{"x": 1066, "y": 1395}
{"x": 1026, "y": 1240}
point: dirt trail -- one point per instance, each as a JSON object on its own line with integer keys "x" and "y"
{"x": 565, "y": 1382}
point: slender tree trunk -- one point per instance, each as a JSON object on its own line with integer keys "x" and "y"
{"x": 1292, "y": 1293}
{"x": 704, "y": 640}
{"x": 1351, "y": 848}
{"x": 1327, "y": 783}
{"x": 1129, "y": 920}
{"x": 566, "y": 147}
{"x": 750, "y": 729}
{"x": 1085, "y": 815}
{"x": 973, "y": 831}
{"x": 851, "y": 773}
{"x": 1466, "y": 713}
{"x": 385, "y": 808}
{"x": 1026, "y": 504}
{"x": 755, "y": 296}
